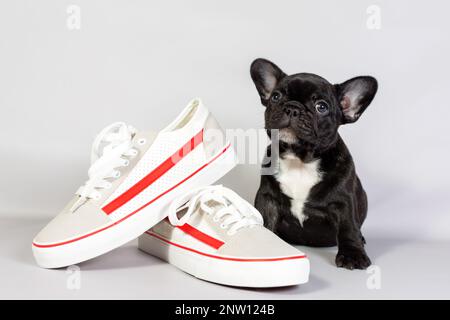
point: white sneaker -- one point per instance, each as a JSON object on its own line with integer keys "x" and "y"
{"x": 219, "y": 237}
{"x": 133, "y": 178}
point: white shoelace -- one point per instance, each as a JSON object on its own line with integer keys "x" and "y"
{"x": 111, "y": 149}
{"x": 235, "y": 213}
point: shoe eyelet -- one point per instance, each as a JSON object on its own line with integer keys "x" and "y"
{"x": 134, "y": 152}
{"x": 126, "y": 163}
{"x": 116, "y": 174}
{"x": 215, "y": 219}
{"x": 223, "y": 226}
{"x": 142, "y": 141}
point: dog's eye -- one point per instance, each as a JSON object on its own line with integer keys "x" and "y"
{"x": 322, "y": 107}
{"x": 275, "y": 96}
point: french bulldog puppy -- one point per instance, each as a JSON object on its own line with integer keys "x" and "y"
{"x": 315, "y": 197}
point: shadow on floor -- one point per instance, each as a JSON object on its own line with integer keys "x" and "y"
{"x": 314, "y": 284}
{"x": 125, "y": 257}
{"x": 375, "y": 248}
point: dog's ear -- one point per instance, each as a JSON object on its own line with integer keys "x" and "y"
{"x": 355, "y": 95}
{"x": 266, "y": 76}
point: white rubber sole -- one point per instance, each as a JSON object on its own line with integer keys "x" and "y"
{"x": 252, "y": 274}
{"x": 113, "y": 236}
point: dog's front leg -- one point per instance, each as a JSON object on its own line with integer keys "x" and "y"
{"x": 351, "y": 254}
{"x": 268, "y": 207}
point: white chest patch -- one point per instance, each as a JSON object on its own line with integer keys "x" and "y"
{"x": 296, "y": 179}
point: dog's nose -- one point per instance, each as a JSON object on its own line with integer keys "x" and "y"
{"x": 291, "y": 111}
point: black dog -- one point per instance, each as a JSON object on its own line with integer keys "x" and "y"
{"x": 315, "y": 198}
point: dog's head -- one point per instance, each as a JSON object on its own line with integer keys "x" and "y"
{"x": 305, "y": 107}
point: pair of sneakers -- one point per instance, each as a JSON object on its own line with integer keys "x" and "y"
{"x": 158, "y": 187}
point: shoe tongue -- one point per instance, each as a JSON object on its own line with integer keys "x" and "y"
{"x": 215, "y": 205}
{"x": 109, "y": 141}
{"x": 149, "y": 135}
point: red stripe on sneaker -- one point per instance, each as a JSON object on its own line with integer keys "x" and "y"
{"x": 222, "y": 257}
{"x": 135, "y": 211}
{"x": 201, "y": 236}
{"x": 154, "y": 175}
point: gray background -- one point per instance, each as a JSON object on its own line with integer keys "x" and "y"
{"x": 141, "y": 61}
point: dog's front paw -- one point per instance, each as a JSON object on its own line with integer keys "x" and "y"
{"x": 352, "y": 259}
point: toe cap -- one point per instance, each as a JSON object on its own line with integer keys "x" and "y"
{"x": 258, "y": 242}
{"x": 71, "y": 225}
